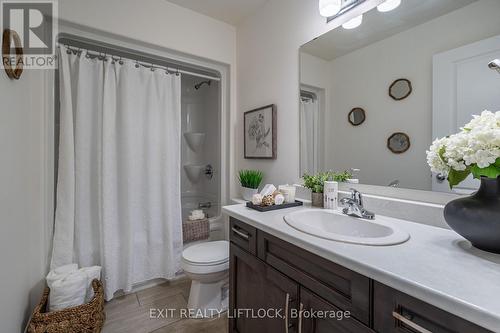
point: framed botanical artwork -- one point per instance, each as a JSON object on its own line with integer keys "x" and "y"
{"x": 260, "y": 132}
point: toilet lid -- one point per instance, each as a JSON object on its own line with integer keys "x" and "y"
{"x": 208, "y": 253}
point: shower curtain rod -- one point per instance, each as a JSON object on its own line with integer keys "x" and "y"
{"x": 94, "y": 48}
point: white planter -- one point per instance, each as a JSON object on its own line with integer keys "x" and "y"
{"x": 247, "y": 193}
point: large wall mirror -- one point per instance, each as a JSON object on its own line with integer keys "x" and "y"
{"x": 441, "y": 47}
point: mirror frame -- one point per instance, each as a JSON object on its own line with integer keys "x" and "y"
{"x": 354, "y": 110}
{"x": 410, "y": 88}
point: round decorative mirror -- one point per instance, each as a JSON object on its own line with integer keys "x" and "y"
{"x": 400, "y": 89}
{"x": 357, "y": 116}
{"x": 11, "y": 37}
{"x": 398, "y": 143}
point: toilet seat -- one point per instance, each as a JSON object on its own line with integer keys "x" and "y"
{"x": 206, "y": 258}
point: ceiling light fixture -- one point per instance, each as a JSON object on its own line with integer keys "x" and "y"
{"x": 353, "y": 23}
{"x": 388, "y": 5}
{"x": 328, "y": 8}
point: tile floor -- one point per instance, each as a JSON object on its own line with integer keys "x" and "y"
{"x": 131, "y": 313}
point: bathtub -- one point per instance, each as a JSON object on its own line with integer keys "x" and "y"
{"x": 210, "y": 206}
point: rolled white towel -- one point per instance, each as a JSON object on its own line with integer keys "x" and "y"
{"x": 69, "y": 291}
{"x": 60, "y": 272}
{"x": 92, "y": 273}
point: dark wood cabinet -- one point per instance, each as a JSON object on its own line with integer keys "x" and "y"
{"x": 346, "y": 289}
{"x": 261, "y": 299}
{"x": 320, "y": 316}
{"x": 397, "y": 312}
{"x": 303, "y": 290}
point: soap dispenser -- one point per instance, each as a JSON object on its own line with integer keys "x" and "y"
{"x": 330, "y": 194}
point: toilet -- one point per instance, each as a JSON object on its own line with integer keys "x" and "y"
{"x": 207, "y": 265}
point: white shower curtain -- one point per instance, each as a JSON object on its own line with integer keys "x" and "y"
{"x": 309, "y": 110}
{"x": 118, "y": 183}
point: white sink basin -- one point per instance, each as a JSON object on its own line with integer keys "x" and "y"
{"x": 339, "y": 227}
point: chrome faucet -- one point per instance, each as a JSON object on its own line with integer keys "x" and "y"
{"x": 353, "y": 206}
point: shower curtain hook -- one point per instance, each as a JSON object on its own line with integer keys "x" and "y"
{"x": 177, "y": 72}
{"x": 120, "y": 61}
{"x": 136, "y": 63}
{"x": 152, "y": 67}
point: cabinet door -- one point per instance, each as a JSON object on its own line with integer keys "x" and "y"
{"x": 318, "y": 316}
{"x": 261, "y": 298}
{"x": 396, "y": 312}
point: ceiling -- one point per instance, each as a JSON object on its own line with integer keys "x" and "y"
{"x": 229, "y": 11}
{"x": 377, "y": 26}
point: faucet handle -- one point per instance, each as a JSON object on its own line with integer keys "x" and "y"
{"x": 357, "y": 196}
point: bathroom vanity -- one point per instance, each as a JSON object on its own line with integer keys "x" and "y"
{"x": 431, "y": 283}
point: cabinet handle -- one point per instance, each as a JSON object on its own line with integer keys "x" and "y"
{"x": 241, "y": 234}
{"x": 287, "y": 303}
{"x": 410, "y": 323}
{"x": 300, "y": 317}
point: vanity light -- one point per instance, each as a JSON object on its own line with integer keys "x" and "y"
{"x": 328, "y": 8}
{"x": 353, "y": 23}
{"x": 388, "y": 5}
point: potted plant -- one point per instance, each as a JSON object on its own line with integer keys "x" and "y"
{"x": 250, "y": 181}
{"x": 474, "y": 150}
{"x": 315, "y": 184}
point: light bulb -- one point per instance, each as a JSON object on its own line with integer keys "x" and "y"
{"x": 353, "y": 23}
{"x": 328, "y": 8}
{"x": 388, "y": 5}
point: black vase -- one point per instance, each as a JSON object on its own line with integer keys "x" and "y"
{"x": 477, "y": 218}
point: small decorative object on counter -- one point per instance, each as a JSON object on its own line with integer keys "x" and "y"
{"x": 316, "y": 184}
{"x": 268, "y": 189}
{"x": 330, "y": 195}
{"x": 257, "y": 199}
{"x": 250, "y": 181}
{"x": 288, "y": 192}
{"x": 279, "y": 199}
{"x": 268, "y": 200}
{"x": 474, "y": 150}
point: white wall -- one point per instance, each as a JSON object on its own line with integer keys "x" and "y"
{"x": 22, "y": 251}
{"x": 361, "y": 79}
{"x": 24, "y": 205}
{"x": 268, "y": 72}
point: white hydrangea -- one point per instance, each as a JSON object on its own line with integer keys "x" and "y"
{"x": 478, "y": 143}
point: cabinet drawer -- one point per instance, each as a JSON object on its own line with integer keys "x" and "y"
{"x": 243, "y": 235}
{"x": 396, "y": 312}
{"x": 323, "y": 317}
{"x": 340, "y": 286}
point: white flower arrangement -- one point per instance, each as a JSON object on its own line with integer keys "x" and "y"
{"x": 475, "y": 149}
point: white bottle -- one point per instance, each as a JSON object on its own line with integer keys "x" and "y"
{"x": 330, "y": 194}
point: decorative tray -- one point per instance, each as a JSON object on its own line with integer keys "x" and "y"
{"x": 274, "y": 207}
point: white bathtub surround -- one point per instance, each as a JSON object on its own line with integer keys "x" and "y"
{"x": 118, "y": 188}
{"x": 435, "y": 265}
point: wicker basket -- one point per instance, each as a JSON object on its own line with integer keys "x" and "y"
{"x": 86, "y": 318}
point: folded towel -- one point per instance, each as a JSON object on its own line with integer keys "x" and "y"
{"x": 68, "y": 291}
{"x": 195, "y": 230}
{"x": 60, "y": 272}
{"x": 92, "y": 273}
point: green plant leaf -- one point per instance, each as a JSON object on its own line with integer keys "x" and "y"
{"x": 456, "y": 177}
{"x": 250, "y": 178}
{"x": 493, "y": 171}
